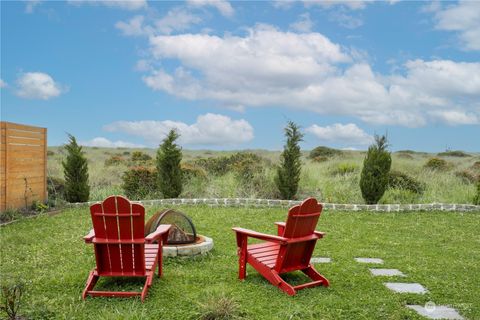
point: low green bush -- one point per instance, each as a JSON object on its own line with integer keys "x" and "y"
{"x": 456, "y": 153}
{"x": 322, "y": 151}
{"x": 221, "y": 165}
{"x": 217, "y": 166}
{"x": 38, "y": 207}
{"x": 476, "y": 166}
{"x": 402, "y": 181}
{"x": 11, "y": 301}
{"x": 114, "y": 161}
{"x": 190, "y": 170}
{"x": 140, "y": 183}
{"x": 139, "y": 156}
{"x": 344, "y": 169}
{"x": 249, "y": 171}
{"x": 467, "y": 176}
{"x": 10, "y": 215}
{"x": 320, "y": 159}
{"x": 404, "y": 155}
{"x": 406, "y": 151}
{"x": 437, "y": 164}
{"x": 399, "y": 196}
{"x": 220, "y": 308}
{"x": 50, "y": 153}
{"x": 55, "y": 188}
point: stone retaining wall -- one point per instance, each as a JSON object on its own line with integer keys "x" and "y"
{"x": 262, "y": 203}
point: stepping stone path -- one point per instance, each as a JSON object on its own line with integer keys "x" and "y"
{"x": 430, "y": 310}
{"x": 406, "y": 287}
{"x": 387, "y": 272}
{"x": 369, "y": 260}
{"x": 320, "y": 260}
{"x": 436, "y": 312}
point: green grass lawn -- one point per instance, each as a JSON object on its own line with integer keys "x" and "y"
{"x": 437, "y": 249}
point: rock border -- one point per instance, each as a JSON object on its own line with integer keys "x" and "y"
{"x": 263, "y": 203}
{"x": 189, "y": 250}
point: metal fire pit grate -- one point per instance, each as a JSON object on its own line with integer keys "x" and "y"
{"x": 182, "y": 231}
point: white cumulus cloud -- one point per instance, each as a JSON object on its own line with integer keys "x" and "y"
{"x": 303, "y": 24}
{"x": 3, "y": 84}
{"x": 269, "y": 67}
{"x": 31, "y": 4}
{"x": 37, "y": 85}
{"x": 456, "y": 117}
{"x": 176, "y": 19}
{"x": 345, "y": 20}
{"x": 352, "y": 5}
{"x": 209, "y": 129}
{"x": 348, "y": 134}
{"x": 224, "y": 7}
{"x": 464, "y": 18}
{"x": 134, "y": 27}
{"x": 130, "y": 5}
{"x": 105, "y": 143}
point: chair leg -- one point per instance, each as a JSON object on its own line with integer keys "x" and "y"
{"x": 160, "y": 253}
{"x": 91, "y": 282}
{"x": 315, "y": 275}
{"x": 148, "y": 281}
{"x": 160, "y": 260}
{"x": 242, "y": 262}
{"x": 285, "y": 287}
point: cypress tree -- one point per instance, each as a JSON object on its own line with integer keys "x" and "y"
{"x": 476, "y": 199}
{"x": 375, "y": 172}
{"x": 288, "y": 173}
{"x": 75, "y": 170}
{"x": 169, "y": 156}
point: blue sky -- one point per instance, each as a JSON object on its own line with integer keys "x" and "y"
{"x": 229, "y": 75}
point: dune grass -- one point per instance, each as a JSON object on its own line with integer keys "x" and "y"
{"x": 334, "y": 180}
{"x": 440, "y": 250}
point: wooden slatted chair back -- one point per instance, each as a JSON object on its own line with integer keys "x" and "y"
{"x": 301, "y": 222}
{"x": 120, "y": 239}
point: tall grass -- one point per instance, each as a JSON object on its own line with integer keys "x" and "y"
{"x": 334, "y": 180}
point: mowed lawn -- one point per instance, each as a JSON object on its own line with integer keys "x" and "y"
{"x": 439, "y": 250}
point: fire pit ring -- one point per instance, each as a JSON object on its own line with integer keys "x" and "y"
{"x": 183, "y": 239}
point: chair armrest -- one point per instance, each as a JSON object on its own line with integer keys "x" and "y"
{"x": 161, "y": 231}
{"x": 89, "y": 237}
{"x": 319, "y": 234}
{"x": 258, "y": 235}
{"x": 281, "y": 228}
{"x": 303, "y": 239}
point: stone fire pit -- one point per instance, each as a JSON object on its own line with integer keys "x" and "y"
{"x": 183, "y": 239}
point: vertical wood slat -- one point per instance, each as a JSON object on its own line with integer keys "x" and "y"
{"x": 16, "y": 136}
{"x": 3, "y": 166}
{"x": 45, "y": 194}
{"x": 125, "y": 229}
{"x": 111, "y": 231}
{"x": 138, "y": 229}
{"x": 102, "y": 255}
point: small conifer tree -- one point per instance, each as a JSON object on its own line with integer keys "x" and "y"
{"x": 476, "y": 199}
{"x": 288, "y": 173}
{"x": 375, "y": 172}
{"x": 169, "y": 156}
{"x": 75, "y": 169}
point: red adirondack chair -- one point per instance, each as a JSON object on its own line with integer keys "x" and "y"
{"x": 121, "y": 248}
{"x": 290, "y": 250}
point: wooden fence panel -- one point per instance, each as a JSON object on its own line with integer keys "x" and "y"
{"x": 23, "y": 165}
